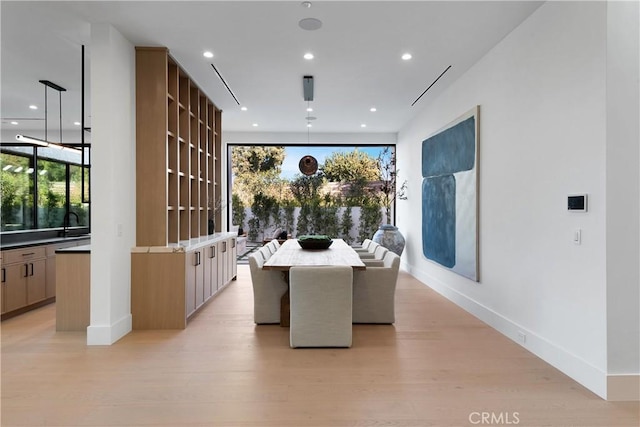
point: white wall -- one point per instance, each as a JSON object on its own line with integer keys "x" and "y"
{"x": 113, "y": 183}
{"x": 623, "y": 241}
{"x": 543, "y": 130}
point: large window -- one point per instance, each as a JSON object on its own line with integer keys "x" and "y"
{"x": 17, "y": 187}
{"x": 41, "y": 192}
{"x": 349, "y": 193}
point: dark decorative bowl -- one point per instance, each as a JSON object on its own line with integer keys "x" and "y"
{"x": 314, "y": 242}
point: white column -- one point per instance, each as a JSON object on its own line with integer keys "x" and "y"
{"x": 113, "y": 183}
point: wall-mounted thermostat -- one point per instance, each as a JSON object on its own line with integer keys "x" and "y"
{"x": 577, "y": 202}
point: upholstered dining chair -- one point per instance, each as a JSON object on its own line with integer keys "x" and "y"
{"x": 321, "y": 310}
{"x": 374, "y": 291}
{"x": 265, "y": 253}
{"x": 273, "y": 246}
{"x": 364, "y": 247}
{"x": 268, "y": 288}
{"x": 378, "y": 256}
{"x": 370, "y": 251}
{"x": 275, "y": 243}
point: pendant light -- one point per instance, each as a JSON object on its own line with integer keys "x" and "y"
{"x": 45, "y": 142}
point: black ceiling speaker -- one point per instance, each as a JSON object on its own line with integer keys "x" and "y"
{"x": 307, "y": 88}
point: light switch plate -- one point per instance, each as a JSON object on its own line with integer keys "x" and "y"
{"x": 577, "y": 237}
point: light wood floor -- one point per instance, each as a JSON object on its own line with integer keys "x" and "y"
{"x": 437, "y": 366}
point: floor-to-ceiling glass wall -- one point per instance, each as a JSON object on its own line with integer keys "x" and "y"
{"x": 344, "y": 191}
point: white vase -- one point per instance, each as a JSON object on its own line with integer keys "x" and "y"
{"x": 390, "y": 237}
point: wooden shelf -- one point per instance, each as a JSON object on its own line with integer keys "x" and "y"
{"x": 171, "y": 109}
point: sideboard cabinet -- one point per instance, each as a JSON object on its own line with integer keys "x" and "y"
{"x": 170, "y": 283}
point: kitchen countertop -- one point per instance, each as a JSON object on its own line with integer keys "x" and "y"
{"x": 40, "y": 242}
{"x": 83, "y": 249}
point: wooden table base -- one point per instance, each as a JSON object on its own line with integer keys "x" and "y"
{"x": 285, "y": 303}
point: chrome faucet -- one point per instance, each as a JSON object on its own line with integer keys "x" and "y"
{"x": 66, "y": 219}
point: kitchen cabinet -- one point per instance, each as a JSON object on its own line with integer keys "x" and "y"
{"x": 28, "y": 276}
{"x": 23, "y": 278}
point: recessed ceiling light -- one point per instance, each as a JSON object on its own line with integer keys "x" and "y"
{"x": 308, "y": 55}
{"x": 77, "y": 123}
{"x": 309, "y": 109}
{"x": 30, "y": 170}
{"x": 373, "y": 109}
{"x": 42, "y": 172}
{"x": 33, "y": 107}
{"x": 306, "y": 4}
{"x": 363, "y": 125}
{"x": 14, "y": 123}
{"x": 6, "y": 168}
{"x": 308, "y": 125}
{"x": 310, "y": 24}
{"x": 18, "y": 169}
{"x": 406, "y": 56}
{"x": 208, "y": 54}
{"x": 255, "y": 125}
{"x": 243, "y": 108}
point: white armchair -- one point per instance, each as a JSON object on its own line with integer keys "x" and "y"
{"x": 321, "y": 306}
{"x": 374, "y": 291}
{"x": 268, "y": 288}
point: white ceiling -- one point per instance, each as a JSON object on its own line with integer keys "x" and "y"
{"x": 258, "y": 48}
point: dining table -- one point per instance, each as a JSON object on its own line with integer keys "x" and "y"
{"x": 291, "y": 254}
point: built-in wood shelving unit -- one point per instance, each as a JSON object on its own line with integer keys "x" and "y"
{"x": 178, "y": 144}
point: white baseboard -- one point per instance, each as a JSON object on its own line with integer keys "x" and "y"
{"x": 571, "y": 365}
{"x": 108, "y": 334}
{"x": 623, "y": 387}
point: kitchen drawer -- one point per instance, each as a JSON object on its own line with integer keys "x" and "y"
{"x": 23, "y": 255}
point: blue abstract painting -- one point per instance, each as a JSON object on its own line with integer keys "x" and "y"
{"x": 449, "y": 196}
